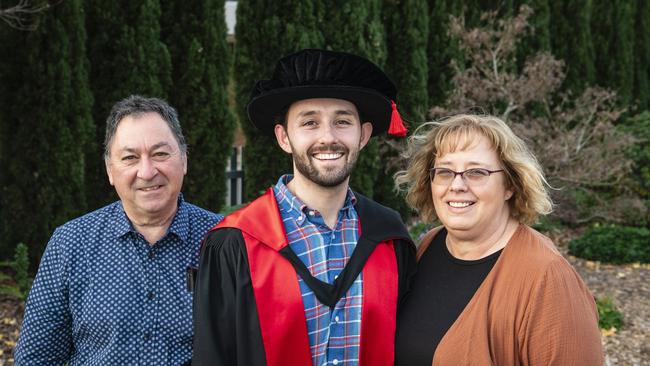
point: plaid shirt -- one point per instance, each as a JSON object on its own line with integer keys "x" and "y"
{"x": 334, "y": 334}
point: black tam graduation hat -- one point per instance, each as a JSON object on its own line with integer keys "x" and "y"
{"x": 316, "y": 73}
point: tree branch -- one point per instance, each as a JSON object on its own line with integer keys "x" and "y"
{"x": 20, "y": 15}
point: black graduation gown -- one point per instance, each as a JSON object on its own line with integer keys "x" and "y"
{"x": 226, "y": 321}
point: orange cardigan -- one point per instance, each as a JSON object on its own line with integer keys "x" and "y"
{"x": 531, "y": 309}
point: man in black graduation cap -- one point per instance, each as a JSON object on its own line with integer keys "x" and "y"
{"x": 310, "y": 273}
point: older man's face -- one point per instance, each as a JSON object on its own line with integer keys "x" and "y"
{"x": 146, "y": 167}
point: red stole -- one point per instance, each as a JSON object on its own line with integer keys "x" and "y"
{"x": 279, "y": 301}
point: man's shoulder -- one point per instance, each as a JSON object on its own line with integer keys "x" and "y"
{"x": 374, "y": 208}
{"x": 94, "y": 218}
{"x": 379, "y": 221}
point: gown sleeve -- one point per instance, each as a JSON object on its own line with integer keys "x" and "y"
{"x": 226, "y": 326}
{"x": 562, "y": 326}
{"x": 406, "y": 267}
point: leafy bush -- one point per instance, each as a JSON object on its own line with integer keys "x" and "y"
{"x": 418, "y": 229}
{"x": 547, "y": 224}
{"x": 18, "y": 282}
{"x": 608, "y": 315}
{"x": 21, "y": 267}
{"x": 639, "y": 127}
{"x": 613, "y": 244}
{"x": 227, "y": 210}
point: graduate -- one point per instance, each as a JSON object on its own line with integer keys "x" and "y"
{"x": 311, "y": 272}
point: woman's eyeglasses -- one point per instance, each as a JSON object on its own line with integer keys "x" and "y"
{"x": 473, "y": 177}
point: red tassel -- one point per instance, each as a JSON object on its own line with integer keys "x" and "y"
{"x": 397, "y": 127}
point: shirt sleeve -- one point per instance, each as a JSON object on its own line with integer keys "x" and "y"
{"x": 226, "y": 325}
{"x": 46, "y": 334}
{"x": 562, "y": 326}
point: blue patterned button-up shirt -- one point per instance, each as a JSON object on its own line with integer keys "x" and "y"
{"x": 104, "y": 296}
{"x": 334, "y": 334}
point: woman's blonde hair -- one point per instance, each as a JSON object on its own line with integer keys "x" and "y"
{"x": 523, "y": 173}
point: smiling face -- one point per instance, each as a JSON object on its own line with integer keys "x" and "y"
{"x": 146, "y": 166}
{"x": 471, "y": 212}
{"x": 324, "y": 136}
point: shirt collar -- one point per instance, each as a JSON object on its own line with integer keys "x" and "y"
{"x": 295, "y": 207}
{"x": 178, "y": 227}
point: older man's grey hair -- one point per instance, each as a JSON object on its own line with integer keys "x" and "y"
{"x": 137, "y": 105}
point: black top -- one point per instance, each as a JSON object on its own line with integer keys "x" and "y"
{"x": 443, "y": 286}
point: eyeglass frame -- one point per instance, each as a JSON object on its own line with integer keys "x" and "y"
{"x": 432, "y": 174}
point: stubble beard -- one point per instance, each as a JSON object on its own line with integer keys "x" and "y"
{"x": 329, "y": 178}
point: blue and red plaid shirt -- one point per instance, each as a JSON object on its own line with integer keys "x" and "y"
{"x": 334, "y": 334}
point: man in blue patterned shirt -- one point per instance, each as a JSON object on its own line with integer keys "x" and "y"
{"x": 310, "y": 273}
{"x": 111, "y": 286}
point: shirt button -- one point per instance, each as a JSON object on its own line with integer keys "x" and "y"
{"x": 147, "y": 336}
{"x": 335, "y": 362}
{"x": 311, "y": 213}
{"x": 336, "y": 319}
{"x": 151, "y": 295}
{"x": 151, "y": 254}
{"x": 337, "y": 276}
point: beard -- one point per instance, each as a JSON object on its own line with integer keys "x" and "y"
{"x": 326, "y": 177}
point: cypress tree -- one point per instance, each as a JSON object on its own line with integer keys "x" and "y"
{"x": 623, "y": 48}
{"x": 51, "y": 126}
{"x": 127, "y": 57}
{"x": 503, "y": 7}
{"x": 539, "y": 40}
{"x": 602, "y": 31}
{"x": 571, "y": 41}
{"x": 642, "y": 55}
{"x": 441, "y": 49}
{"x": 10, "y": 74}
{"x": 195, "y": 32}
{"x": 267, "y": 30}
{"x": 612, "y": 30}
{"x": 357, "y": 27}
{"x": 407, "y": 31}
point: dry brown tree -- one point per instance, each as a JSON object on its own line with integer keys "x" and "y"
{"x": 573, "y": 137}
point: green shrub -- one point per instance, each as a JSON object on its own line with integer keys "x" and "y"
{"x": 227, "y": 210}
{"x": 639, "y": 127}
{"x": 418, "y": 230}
{"x": 547, "y": 224}
{"x": 21, "y": 267}
{"x": 613, "y": 244}
{"x": 608, "y": 315}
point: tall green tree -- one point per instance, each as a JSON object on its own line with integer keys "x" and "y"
{"x": 539, "y": 39}
{"x": 48, "y": 119}
{"x": 441, "y": 49}
{"x": 612, "y": 29}
{"x": 357, "y": 27}
{"x": 127, "y": 57}
{"x": 195, "y": 33}
{"x": 642, "y": 55}
{"x": 267, "y": 30}
{"x": 407, "y": 32}
{"x": 571, "y": 41}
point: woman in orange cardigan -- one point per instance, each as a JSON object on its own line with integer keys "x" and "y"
{"x": 489, "y": 290}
